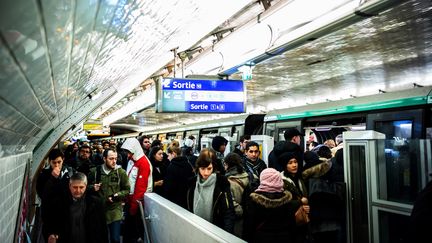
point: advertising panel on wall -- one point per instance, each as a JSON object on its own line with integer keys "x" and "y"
{"x": 201, "y": 96}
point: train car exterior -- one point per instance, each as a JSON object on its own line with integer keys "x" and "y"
{"x": 386, "y": 155}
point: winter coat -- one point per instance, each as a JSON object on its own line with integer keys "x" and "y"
{"x": 269, "y": 217}
{"x": 238, "y": 182}
{"x": 116, "y": 181}
{"x": 139, "y": 172}
{"x": 296, "y": 186}
{"x": 326, "y": 196}
{"x": 178, "y": 173}
{"x": 94, "y": 220}
{"x": 159, "y": 172}
{"x": 51, "y": 190}
{"x": 257, "y": 166}
{"x": 223, "y": 208}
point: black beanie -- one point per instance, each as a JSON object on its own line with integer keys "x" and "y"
{"x": 218, "y": 141}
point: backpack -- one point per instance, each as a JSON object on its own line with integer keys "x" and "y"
{"x": 250, "y": 187}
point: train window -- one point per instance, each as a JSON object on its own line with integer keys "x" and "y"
{"x": 392, "y": 227}
{"x": 270, "y": 129}
{"x": 395, "y": 129}
{"x": 398, "y": 170}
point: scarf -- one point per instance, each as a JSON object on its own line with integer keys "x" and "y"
{"x": 203, "y": 197}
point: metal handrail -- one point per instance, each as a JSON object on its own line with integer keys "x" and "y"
{"x": 144, "y": 220}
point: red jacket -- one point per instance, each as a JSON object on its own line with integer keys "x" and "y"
{"x": 139, "y": 173}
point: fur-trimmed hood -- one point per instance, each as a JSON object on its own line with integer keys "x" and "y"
{"x": 271, "y": 202}
{"x": 317, "y": 170}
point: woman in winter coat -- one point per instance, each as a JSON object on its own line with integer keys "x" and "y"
{"x": 209, "y": 195}
{"x": 178, "y": 173}
{"x": 239, "y": 181}
{"x": 326, "y": 196}
{"x": 156, "y": 156}
{"x": 293, "y": 182}
{"x": 269, "y": 214}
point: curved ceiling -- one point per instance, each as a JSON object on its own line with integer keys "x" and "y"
{"x": 63, "y": 61}
{"x": 391, "y": 51}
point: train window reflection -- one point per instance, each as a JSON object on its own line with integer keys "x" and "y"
{"x": 392, "y": 227}
{"x": 398, "y": 130}
{"x": 398, "y": 171}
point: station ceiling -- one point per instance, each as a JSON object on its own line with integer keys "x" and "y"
{"x": 384, "y": 53}
{"x": 64, "y": 61}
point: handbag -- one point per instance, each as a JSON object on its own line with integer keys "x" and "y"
{"x": 301, "y": 217}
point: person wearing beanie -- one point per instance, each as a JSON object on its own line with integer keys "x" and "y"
{"x": 219, "y": 144}
{"x": 292, "y": 143}
{"x": 270, "y": 213}
{"x": 293, "y": 183}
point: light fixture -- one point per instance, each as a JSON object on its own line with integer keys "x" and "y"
{"x": 140, "y": 102}
{"x": 284, "y": 26}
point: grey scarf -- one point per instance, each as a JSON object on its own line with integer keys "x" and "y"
{"x": 203, "y": 197}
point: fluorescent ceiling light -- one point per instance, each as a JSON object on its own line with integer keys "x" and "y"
{"x": 299, "y": 13}
{"x": 278, "y": 26}
{"x": 142, "y": 101}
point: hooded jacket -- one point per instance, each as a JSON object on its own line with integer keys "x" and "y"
{"x": 269, "y": 217}
{"x": 139, "y": 172}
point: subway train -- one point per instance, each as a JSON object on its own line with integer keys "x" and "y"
{"x": 379, "y": 112}
{"x": 387, "y": 156}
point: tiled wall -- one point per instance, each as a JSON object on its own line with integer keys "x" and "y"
{"x": 12, "y": 170}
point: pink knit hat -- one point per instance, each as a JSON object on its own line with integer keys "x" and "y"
{"x": 270, "y": 181}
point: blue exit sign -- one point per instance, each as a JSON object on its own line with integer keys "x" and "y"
{"x": 205, "y": 96}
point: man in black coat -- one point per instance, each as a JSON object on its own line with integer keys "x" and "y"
{"x": 51, "y": 185}
{"x": 81, "y": 217}
{"x": 291, "y": 144}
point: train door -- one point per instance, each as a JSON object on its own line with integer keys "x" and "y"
{"x": 195, "y": 135}
{"x": 206, "y": 137}
{"x": 383, "y": 178}
{"x": 277, "y": 129}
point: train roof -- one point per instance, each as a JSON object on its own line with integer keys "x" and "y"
{"x": 410, "y": 97}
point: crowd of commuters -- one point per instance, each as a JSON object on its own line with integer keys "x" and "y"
{"x": 88, "y": 195}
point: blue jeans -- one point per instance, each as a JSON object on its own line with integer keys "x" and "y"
{"x": 114, "y": 231}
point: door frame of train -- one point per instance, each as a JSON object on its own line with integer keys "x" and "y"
{"x": 368, "y": 140}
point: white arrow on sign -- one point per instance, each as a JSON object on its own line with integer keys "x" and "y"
{"x": 166, "y": 83}
{"x": 167, "y": 95}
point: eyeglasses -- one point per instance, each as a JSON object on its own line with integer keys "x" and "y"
{"x": 85, "y": 151}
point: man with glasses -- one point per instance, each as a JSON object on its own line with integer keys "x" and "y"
{"x": 82, "y": 160}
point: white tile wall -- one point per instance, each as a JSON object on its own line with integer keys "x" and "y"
{"x": 12, "y": 169}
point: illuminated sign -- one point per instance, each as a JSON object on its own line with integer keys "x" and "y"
{"x": 96, "y": 128}
{"x": 205, "y": 96}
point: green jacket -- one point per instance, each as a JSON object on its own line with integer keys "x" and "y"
{"x": 116, "y": 181}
